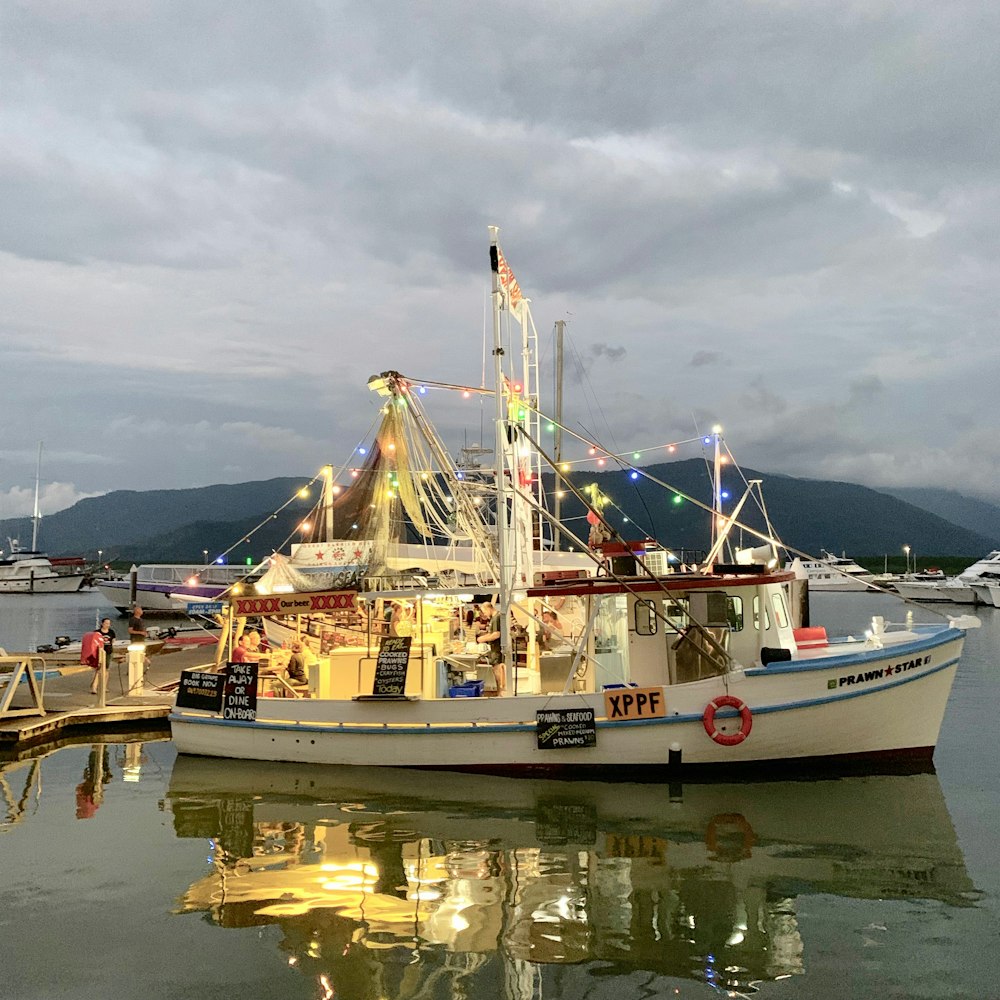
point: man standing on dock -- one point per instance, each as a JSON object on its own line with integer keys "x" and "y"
{"x": 136, "y": 626}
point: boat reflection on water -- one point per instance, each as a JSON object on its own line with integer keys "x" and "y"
{"x": 376, "y": 884}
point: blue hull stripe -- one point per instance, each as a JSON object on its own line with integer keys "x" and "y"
{"x": 849, "y": 659}
{"x": 437, "y": 730}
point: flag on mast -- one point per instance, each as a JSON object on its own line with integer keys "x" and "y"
{"x": 515, "y": 300}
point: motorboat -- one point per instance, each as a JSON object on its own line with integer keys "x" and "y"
{"x": 27, "y": 571}
{"x": 833, "y": 573}
{"x": 663, "y": 665}
{"x": 168, "y": 588}
{"x": 969, "y": 587}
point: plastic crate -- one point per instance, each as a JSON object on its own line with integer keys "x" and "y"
{"x": 470, "y": 689}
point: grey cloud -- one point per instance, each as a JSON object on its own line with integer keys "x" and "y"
{"x": 702, "y": 358}
{"x": 792, "y": 203}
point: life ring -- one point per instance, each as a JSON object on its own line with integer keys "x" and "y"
{"x": 730, "y": 823}
{"x": 727, "y": 739}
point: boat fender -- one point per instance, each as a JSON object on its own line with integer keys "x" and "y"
{"x": 774, "y": 654}
{"x": 731, "y": 826}
{"x": 746, "y": 720}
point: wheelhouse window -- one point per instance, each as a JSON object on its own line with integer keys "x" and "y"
{"x": 756, "y": 614}
{"x": 675, "y": 614}
{"x": 725, "y": 610}
{"x": 780, "y": 612}
{"x": 645, "y": 617}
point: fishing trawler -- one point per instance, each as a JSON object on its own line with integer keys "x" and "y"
{"x": 660, "y": 663}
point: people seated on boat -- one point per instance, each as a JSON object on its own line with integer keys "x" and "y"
{"x": 136, "y": 626}
{"x": 551, "y": 634}
{"x": 401, "y": 619}
{"x": 495, "y": 655}
{"x": 296, "y": 668}
{"x": 481, "y": 622}
{"x": 254, "y": 648}
{"x": 240, "y": 653}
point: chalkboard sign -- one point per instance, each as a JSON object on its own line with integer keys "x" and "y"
{"x": 390, "y": 667}
{"x": 239, "y": 696}
{"x": 563, "y": 728}
{"x": 200, "y": 690}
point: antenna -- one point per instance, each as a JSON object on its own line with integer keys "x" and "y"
{"x": 36, "y": 515}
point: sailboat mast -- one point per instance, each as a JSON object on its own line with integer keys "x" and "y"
{"x": 36, "y": 515}
{"x": 500, "y": 398}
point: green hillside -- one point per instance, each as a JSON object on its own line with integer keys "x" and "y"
{"x": 810, "y": 515}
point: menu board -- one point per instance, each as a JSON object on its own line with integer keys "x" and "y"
{"x": 390, "y": 666}
{"x": 199, "y": 689}
{"x": 239, "y": 696}
{"x": 563, "y": 728}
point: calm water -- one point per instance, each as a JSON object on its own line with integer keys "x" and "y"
{"x": 28, "y": 621}
{"x": 128, "y": 872}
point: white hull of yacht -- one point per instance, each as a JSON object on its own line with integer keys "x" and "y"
{"x": 840, "y": 584}
{"x": 870, "y": 702}
{"x": 55, "y": 584}
{"x": 117, "y": 593}
{"x": 915, "y": 590}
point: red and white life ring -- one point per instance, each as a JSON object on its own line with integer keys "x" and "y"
{"x": 727, "y": 739}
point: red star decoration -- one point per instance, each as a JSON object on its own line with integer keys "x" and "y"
{"x": 358, "y": 553}
{"x": 319, "y": 555}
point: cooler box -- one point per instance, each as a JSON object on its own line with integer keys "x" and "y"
{"x": 470, "y": 689}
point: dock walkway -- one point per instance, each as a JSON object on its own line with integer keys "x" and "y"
{"x": 70, "y": 707}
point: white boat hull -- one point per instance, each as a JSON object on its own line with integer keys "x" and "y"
{"x": 840, "y": 584}
{"x": 950, "y": 593}
{"x": 887, "y": 702}
{"x": 117, "y": 594}
{"x": 55, "y": 584}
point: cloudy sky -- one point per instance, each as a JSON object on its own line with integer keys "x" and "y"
{"x": 218, "y": 219}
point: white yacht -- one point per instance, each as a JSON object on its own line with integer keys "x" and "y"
{"x": 833, "y": 573}
{"x": 29, "y": 572}
{"x": 969, "y": 587}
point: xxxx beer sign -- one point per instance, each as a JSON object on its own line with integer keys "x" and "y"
{"x": 296, "y": 604}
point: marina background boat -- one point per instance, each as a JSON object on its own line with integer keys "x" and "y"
{"x": 166, "y": 588}
{"x": 835, "y": 573}
{"x": 971, "y": 586}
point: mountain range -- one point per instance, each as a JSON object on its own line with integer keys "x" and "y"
{"x": 244, "y": 519}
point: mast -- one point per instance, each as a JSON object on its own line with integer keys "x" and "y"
{"x": 502, "y": 429}
{"x": 557, "y": 509}
{"x": 327, "y": 502}
{"x": 717, "y": 486}
{"x": 36, "y": 515}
